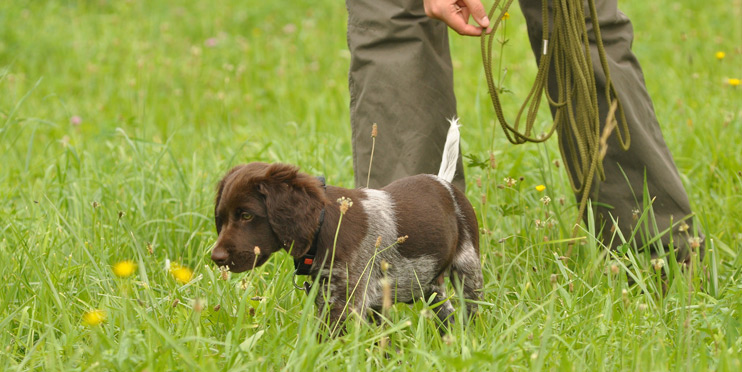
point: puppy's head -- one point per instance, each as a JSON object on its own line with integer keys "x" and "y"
{"x": 261, "y": 208}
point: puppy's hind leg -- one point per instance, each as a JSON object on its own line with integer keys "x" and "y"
{"x": 444, "y": 310}
{"x": 467, "y": 271}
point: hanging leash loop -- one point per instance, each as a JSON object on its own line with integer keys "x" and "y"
{"x": 566, "y": 55}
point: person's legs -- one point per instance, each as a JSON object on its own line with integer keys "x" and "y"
{"x": 400, "y": 78}
{"x": 648, "y": 155}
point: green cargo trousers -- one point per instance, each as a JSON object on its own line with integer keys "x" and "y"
{"x": 401, "y": 78}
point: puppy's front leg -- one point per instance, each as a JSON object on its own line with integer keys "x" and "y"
{"x": 332, "y": 307}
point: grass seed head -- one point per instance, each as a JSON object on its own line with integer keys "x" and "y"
{"x": 224, "y": 272}
{"x": 449, "y": 339}
{"x": 384, "y": 266}
{"x": 345, "y": 203}
{"x": 694, "y": 242}
{"x": 657, "y": 263}
{"x": 199, "y": 304}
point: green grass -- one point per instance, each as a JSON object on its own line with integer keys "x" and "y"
{"x": 170, "y": 95}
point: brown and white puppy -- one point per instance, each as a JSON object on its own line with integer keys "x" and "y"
{"x": 274, "y": 207}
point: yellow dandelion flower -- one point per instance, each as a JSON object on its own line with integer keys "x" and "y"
{"x": 124, "y": 269}
{"x": 181, "y": 273}
{"x": 733, "y": 82}
{"x": 506, "y": 16}
{"x": 93, "y": 317}
{"x": 540, "y": 188}
{"x": 720, "y": 55}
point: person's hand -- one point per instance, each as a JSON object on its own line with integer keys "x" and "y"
{"x": 455, "y": 13}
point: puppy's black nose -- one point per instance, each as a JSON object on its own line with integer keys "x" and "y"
{"x": 219, "y": 255}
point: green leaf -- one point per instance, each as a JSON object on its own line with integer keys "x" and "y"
{"x": 251, "y": 340}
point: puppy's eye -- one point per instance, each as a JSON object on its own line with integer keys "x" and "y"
{"x": 246, "y": 216}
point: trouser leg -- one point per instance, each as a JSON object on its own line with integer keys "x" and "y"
{"x": 621, "y": 194}
{"x": 400, "y": 78}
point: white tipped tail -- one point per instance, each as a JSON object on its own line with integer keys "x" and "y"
{"x": 450, "y": 152}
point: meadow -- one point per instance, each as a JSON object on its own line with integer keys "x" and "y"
{"x": 117, "y": 118}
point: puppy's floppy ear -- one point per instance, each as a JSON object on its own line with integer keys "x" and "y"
{"x": 280, "y": 172}
{"x": 294, "y": 201}
{"x": 220, "y": 190}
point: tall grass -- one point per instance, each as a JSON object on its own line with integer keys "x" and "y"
{"x": 118, "y": 117}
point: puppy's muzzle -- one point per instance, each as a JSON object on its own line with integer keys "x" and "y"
{"x": 219, "y": 255}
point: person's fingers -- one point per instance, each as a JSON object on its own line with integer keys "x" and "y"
{"x": 464, "y": 11}
{"x": 456, "y": 17}
{"x": 460, "y": 26}
{"x": 455, "y": 13}
{"x": 477, "y": 11}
